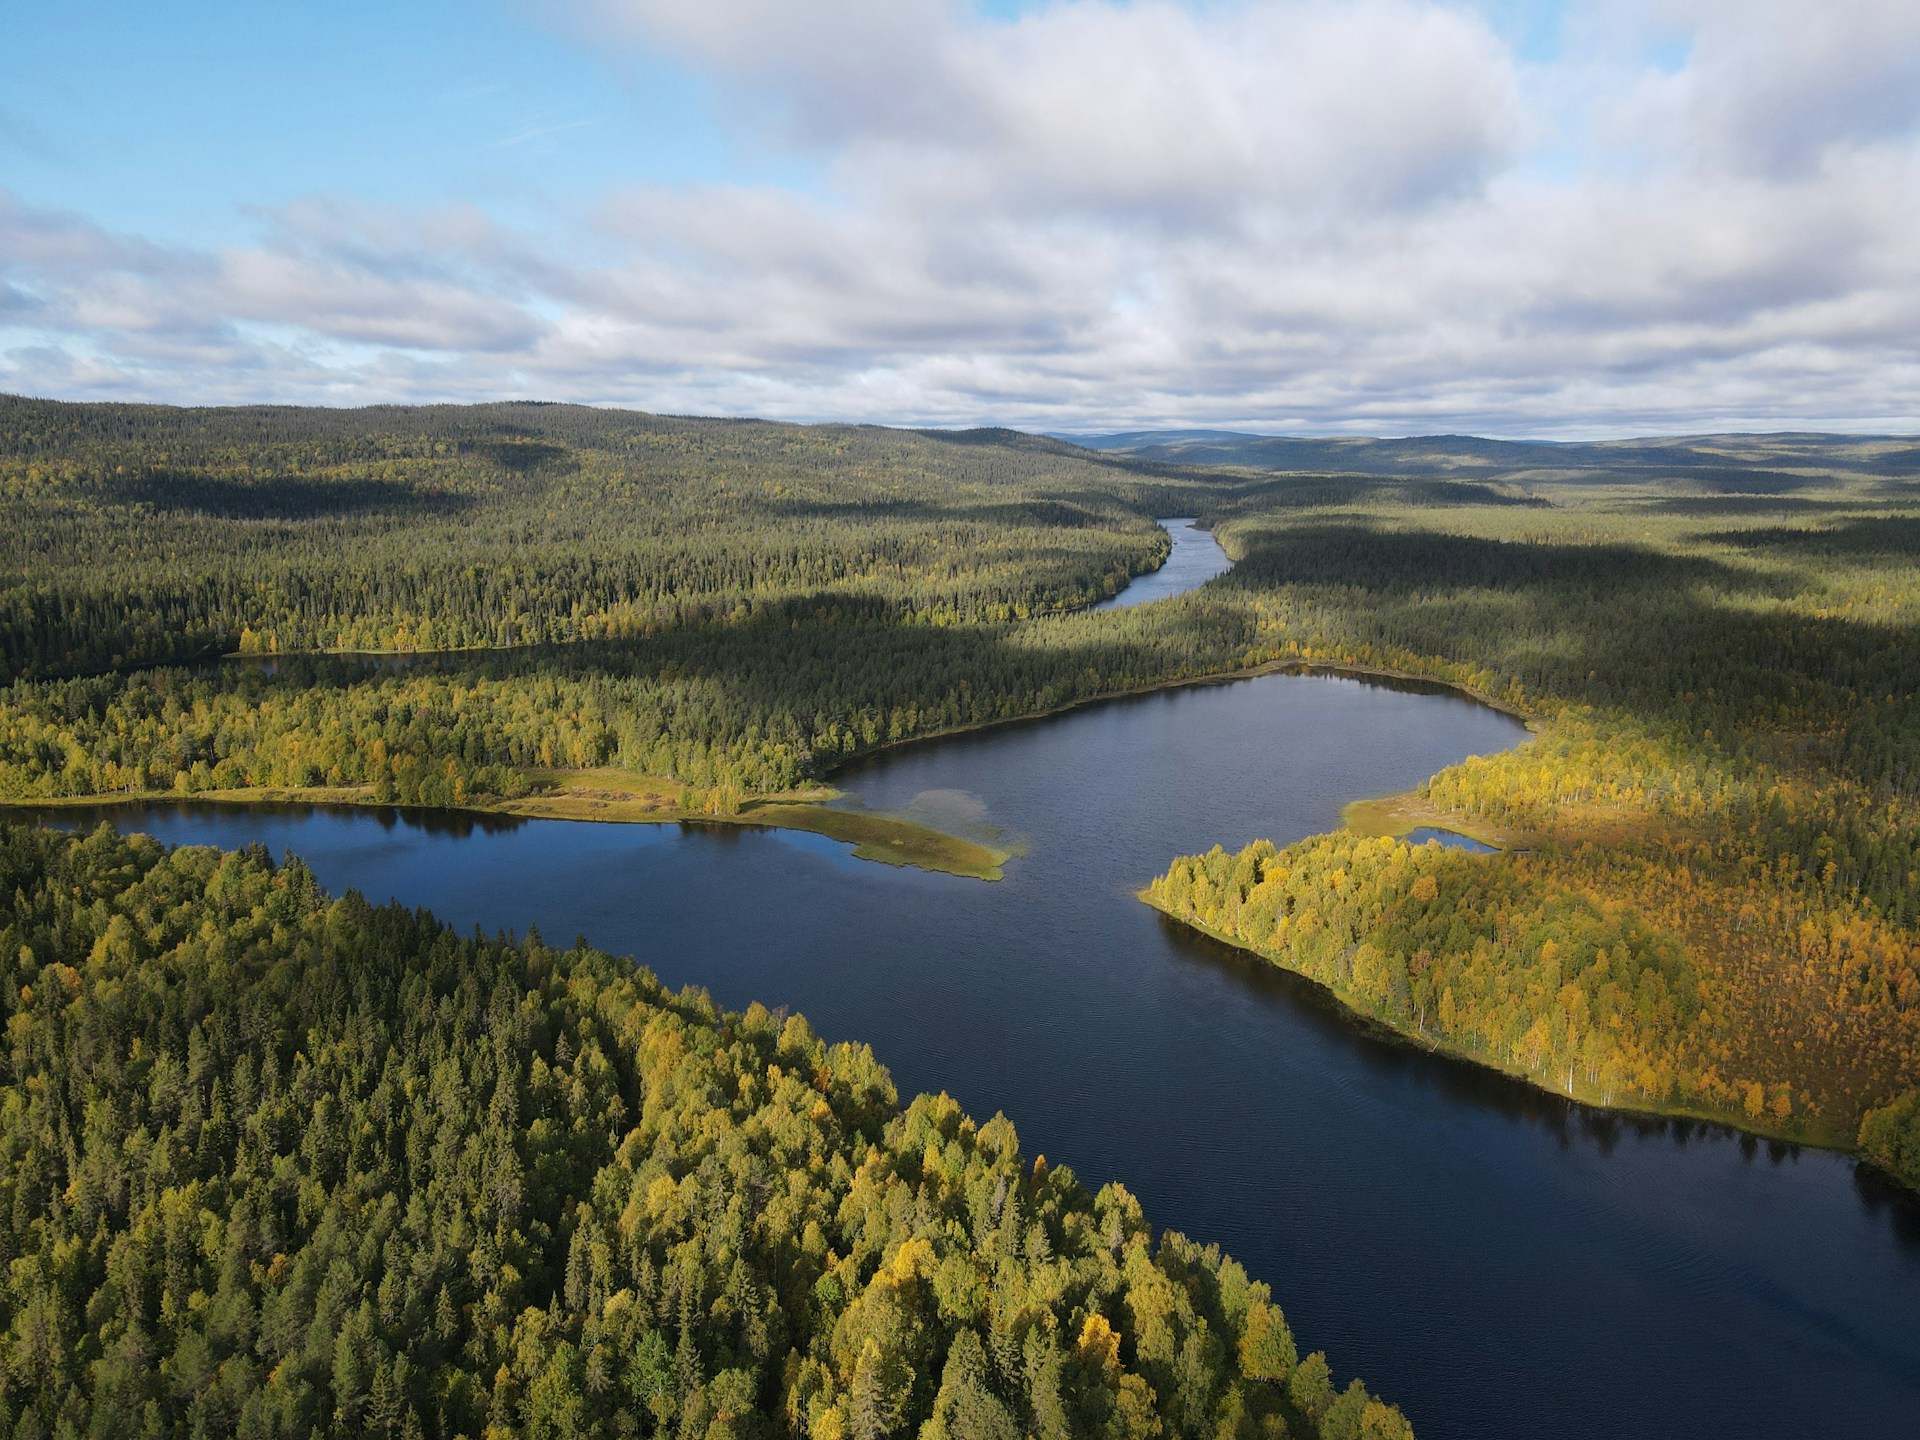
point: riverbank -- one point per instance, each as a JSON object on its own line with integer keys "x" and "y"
{"x": 619, "y": 797}
{"x": 1818, "y": 1139}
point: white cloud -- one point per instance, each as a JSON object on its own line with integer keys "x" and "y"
{"x": 1151, "y": 106}
{"x": 342, "y": 300}
{"x": 1291, "y": 212}
{"x": 1778, "y": 85}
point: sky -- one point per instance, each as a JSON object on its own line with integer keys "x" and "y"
{"x": 1546, "y": 218}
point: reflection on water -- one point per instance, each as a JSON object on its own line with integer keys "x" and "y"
{"x": 1504, "y": 1264}
{"x": 185, "y": 816}
{"x": 1387, "y": 1052}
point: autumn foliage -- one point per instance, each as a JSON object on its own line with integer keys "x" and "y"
{"x": 274, "y": 1164}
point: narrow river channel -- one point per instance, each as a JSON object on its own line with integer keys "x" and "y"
{"x": 1196, "y": 557}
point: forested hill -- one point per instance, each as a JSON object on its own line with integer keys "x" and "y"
{"x": 1741, "y": 464}
{"x": 273, "y": 1164}
{"x": 142, "y": 534}
{"x": 60, "y": 427}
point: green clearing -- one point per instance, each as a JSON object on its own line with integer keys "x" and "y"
{"x": 1401, "y": 815}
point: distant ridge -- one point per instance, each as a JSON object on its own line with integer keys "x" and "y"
{"x": 1693, "y": 457}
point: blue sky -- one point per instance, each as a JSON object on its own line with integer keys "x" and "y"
{"x": 180, "y": 122}
{"x": 1515, "y": 216}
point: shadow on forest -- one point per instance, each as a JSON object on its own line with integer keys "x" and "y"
{"x": 1891, "y": 537}
{"x": 1316, "y": 492}
{"x": 523, "y": 457}
{"x": 1070, "y": 510}
{"x": 1405, "y": 563}
{"x": 1737, "y": 480}
{"x": 997, "y": 437}
{"x": 1150, "y": 492}
{"x": 1679, "y": 640}
{"x": 1904, "y": 461}
{"x": 1638, "y": 628}
{"x": 1710, "y": 506}
{"x": 280, "y": 497}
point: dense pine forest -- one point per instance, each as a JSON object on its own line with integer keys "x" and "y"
{"x": 278, "y": 1164}
{"x": 1712, "y": 891}
{"x": 139, "y": 535}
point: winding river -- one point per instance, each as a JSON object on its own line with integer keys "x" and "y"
{"x": 1502, "y": 1264}
{"x": 1196, "y": 557}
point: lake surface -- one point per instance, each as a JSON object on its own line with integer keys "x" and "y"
{"x": 1196, "y": 558}
{"x": 1500, "y": 1263}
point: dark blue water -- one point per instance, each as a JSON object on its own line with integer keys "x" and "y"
{"x": 1425, "y": 833}
{"x": 1196, "y": 558}
{"x": 1500, "y": 1263}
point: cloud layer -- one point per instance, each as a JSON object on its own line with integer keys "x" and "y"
{"x": 1299, "y": 214}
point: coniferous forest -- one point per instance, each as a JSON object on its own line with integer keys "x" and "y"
{"x": 280, "y": 1164}
{"x": 539, "y": 1193}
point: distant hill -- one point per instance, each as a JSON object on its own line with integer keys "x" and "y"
{"x": 1740, "y": 462}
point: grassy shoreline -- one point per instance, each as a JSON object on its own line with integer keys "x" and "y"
{"x": 1400, "y": 815}
{"x": 1742, "y": 1124}
{"x": 617, "y": 797}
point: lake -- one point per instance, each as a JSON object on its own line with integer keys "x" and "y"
{"x": 1502, "y": 1264}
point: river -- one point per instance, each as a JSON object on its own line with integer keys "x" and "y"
{"x": 1196, "y": 557}
{"x": 1501, "y": 1263}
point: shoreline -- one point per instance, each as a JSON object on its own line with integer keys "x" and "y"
{"x": 1386, "y": 1028}
{"x": 618, "y": 799}
{"x": 622, "y": 797}
{"x": 1331, "y": 669}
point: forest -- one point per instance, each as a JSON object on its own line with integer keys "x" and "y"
{"x": 1711, "y": 907}
{"x": 1717, "y": 644}
{"x": 278, "y": 1164}
{"x": 141, "y": 534}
